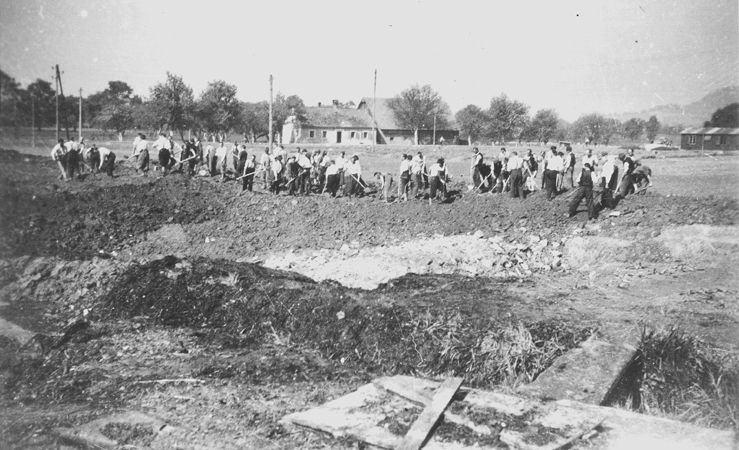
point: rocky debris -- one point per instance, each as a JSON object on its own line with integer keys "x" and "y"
{"x": 499, "y": 256}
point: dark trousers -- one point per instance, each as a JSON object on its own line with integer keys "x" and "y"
{"x": 164, "y": 158}
{"x": 625, "y": 187}
{"x": 332, "y": 184}
{"x": 247, "y": 183}
{"x": 350, "y": 185}
{"x": 109, "y": 164}
{"x": 585, "y": 192}
{"x": 550, "y": 181}
{"x": 516, "y": 183}
{"x": 94, "y": 162}
{"x": 416, "y": 183}
{"x": 404, "y": 180}
{"x": 434, "y": 186}
{"x": 304, "y": 181}
{"x": 292, "y": 186}
{"x": 476, "y": 177}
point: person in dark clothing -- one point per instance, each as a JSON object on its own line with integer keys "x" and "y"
{"x": 94, "y": 155}
{"x": 108, "y": 164}
{"x": 250, "y": 166}
{"x": 164, "y": 160}
{"x": 333, "y": 178}
{"x": 628, "y": 169}
{"x": 553, "y": 167}
{"x": 293, "y": 173}
{"x": 73, "y": 159}
{"x": 585, "y": 190}
{"x": 191, "y": 155}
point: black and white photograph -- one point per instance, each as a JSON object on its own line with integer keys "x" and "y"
{"x": 347, "y": 224}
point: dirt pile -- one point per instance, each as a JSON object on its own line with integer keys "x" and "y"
{"x": 249, "y": 305}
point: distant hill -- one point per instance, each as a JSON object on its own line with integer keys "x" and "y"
{"x": 692, "y": 114}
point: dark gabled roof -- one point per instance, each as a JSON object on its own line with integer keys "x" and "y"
{"x": 384, "y": 115}
{"x": 710, "y": 130}
{"x": 334, "y": 117}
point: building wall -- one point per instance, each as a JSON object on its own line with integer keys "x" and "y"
{"x": 352, "y": 136}
{"x": 709, "y": 142}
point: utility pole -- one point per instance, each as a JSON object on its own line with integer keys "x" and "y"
{"x": 56, "y": 99}
{"x": 270, "y": 112}
{"x": 33, "y": 121}
{"x": 80, "y": 126}
{"x": 374, "y": 109}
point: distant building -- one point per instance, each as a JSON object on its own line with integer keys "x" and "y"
{"x": 709, "y": 139}
{"x": 390, "y": 132}
{"x": 335, "y": 124}
{"x": 331, "y": 124}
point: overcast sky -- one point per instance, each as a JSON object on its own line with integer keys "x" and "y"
{"x": 571, "y": 55}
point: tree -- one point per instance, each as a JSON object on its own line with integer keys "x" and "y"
{"x": 416, "y": 107}
{"x": 172, "y": 105}
{"x": 591, "y": 128}
{"x": 218, "y": 110}
{"x": 726, "y": 117}
{"x": 633, "y": 128}
{"x": 10, "y": 100}
{"x": 652, "y": 128}
{"x": 254, "y": 120}
{"x": 544, "y": 125}
{"x": 610, "y": 127}
{"x": 113, "y": 108}
{"x": 284, "y": 107}
{"x": 507, "y": 118}
{"x": 40, "y": 94}
{"x": 472, "y": 121}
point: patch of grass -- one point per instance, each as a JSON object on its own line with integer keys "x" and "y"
{"x": 682, "y": 377}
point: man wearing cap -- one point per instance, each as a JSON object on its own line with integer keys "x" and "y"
{"x": 276, "y": 174}
{"x": 292, "y": 172}
{"x": 305, "y": 165}
{"x": 404, "y": 174}
{"x": 585, "y": 190}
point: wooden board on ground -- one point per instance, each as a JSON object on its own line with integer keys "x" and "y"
{"x": 374, "y": 414}
{"x": 421, "y": 428}
{"x": 586, "y": 374}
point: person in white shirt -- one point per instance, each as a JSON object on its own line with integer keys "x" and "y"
{"x": 305, "y": 165}
{"x": 221, "y": 155}
{"x": 418, "y": 167}
{"x": 276, "y": 168}
{"x": 476, "y": 168}
{"x": 250, "y": 166}
{"x": 107, "y": 160}
{"x": 332, "y": 178}
{"x": 354, "y": 177}
{"x": 515, "y": 175}
{"x": 59, "y": 154}
{"x": 164, "y": 146}
{"x": 72, "y": 157}
{"x": 211, "y": 160}
{"x": 386, "y": 182}
{"x": 437, "y": 180}
{"x": 590, "y": 159}
{"x": 341, "y": 163}
{"x": 569, "y": 171}
{"x": 404, "y": 174}
{"x": 609, "y": 177}
{"x": 141, "y": 154}
{"x": 553, "y": 167}
{"x": 265, "y": 163}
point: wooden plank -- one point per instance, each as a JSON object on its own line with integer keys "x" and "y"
{"x": 421, "y": 428}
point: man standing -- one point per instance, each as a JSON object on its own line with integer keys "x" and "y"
{"x": 570, "y": 166}
{"x": 417, "y": 169}
{"x": 292, "y": 172}
{"x": 515, "y": 177}
{"x": 142, "y": 155}
{"x": 59, "y": 154}
{"x": 265, "y": 163}
{"x": 190, "y": 155}
{"x": 585, "y": 190}
{"x": 247, "y": 183}
{"x": 386, "y": 182}
{"x": 476, "y": 167}
{"x": 437, "y": 180}
{"x": 553, "y": 167}
{"x": 405, "y": 177}
{"x": 305, "y": 165}
{"x": 341, "y": 163}
{"x": 332, "y": 178}
{"x": 221, "y": 158}
{"x": 354, "y": 177}
{"x": 608, "y": 180}
{"x": 276, "y": 174}
{"x": 590, "y": 159}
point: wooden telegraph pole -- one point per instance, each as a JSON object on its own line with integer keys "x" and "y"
{"x": 374, "y": 110}
{"x": 434, "y": 135}
{"x": 80, "y": 114}
{"x": 56, "y": 99}
{"x": 270, "y": 112}
{"x": 33, "y": 121}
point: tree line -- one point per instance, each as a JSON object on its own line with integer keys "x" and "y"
{"x": 172, "y": 106}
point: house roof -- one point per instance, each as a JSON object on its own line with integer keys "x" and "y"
{"x": 334, "y": 117}
{"x": 710, "y": 131}
{"x": 384, "y": 114}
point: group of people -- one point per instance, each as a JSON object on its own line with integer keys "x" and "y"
{"x": 515, "y": 174}
{"x": 304, "y": 172}
{"x": 75, "y": 157}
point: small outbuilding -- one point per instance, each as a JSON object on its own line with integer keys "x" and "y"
{"x": 709, "y": 139}
{"x": 330, "y": 124}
